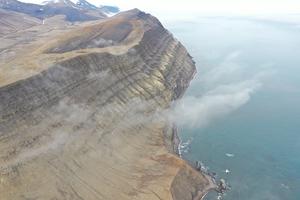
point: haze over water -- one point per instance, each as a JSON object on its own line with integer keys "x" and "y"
{"x": 244, "y": 101}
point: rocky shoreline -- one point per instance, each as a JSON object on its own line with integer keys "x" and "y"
{"x": 212, "y": 186}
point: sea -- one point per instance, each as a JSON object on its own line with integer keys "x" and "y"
{"x": 241, "y": 113}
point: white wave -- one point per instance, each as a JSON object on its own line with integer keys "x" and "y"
{"x": 229, "y": 155}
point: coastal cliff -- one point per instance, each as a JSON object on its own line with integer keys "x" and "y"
{"x": 80, "y": 114}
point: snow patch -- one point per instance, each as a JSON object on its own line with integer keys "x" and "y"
{"x": 50, "y": 1}
{"x": 74, "y": 1}
{"x": 110, "y": 14}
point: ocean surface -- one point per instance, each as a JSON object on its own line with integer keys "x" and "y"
{"x": 242, "y": 110}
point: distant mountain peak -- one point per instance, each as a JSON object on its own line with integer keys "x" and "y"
{"x": 84, "y": 4}
{"x": 79, "y": 4}
{"x": 58, "y": 2}
{"x": 74, "y": 10}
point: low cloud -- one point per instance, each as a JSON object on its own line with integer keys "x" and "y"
{"x": 194, "y": 111}
{"x": 224, "y": 89}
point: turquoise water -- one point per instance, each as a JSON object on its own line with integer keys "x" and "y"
{"x": 244, "y": 101}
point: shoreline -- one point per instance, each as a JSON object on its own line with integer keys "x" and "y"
{"x": 211, "y": 186}
{"x": 175, "y": 144}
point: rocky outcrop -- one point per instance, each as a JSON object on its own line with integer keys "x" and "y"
{"x": 85, "y": 122}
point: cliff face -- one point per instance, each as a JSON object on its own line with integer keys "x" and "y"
{"x": 80, "y": 119}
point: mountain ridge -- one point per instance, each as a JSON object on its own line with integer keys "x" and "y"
{"x": 80, "y": 10}
{"x": 82, "y": 112}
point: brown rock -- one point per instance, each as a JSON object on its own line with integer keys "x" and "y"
{"x": 78, "y": 119}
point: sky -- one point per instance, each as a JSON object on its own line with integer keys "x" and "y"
{"x": 214, "y": 7}
{"x": 211, "y": 6}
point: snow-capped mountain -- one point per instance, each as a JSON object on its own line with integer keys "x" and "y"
{"x": 83, "y": 4}
{"x": 74, "y": 10}
{"x": 80, "y": 4}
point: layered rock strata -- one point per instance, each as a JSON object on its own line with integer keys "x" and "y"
{"x": 85, "y": 122}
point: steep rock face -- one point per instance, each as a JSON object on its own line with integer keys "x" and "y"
{"x": 87, "y": 121}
